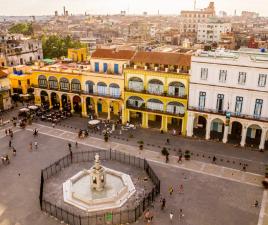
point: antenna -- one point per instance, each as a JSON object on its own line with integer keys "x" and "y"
{"x": 194, "y": 4}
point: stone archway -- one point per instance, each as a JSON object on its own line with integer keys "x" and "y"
{"x": 217, "y": 129}
{"x": 55, "y": 100}
{"x": 44, "y": 99}
{"x": 200, "y": 125}
{"x": 77, "y": 104}
{"x": 66, "y": 102}
{"x": 236, "y": 132}
{"x": 253, "y": 138}
{"x": 90, "y": 106}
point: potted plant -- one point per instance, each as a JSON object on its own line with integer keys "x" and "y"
{"x": 187, "y": 155}
{"x": 140, "y": 144}
{"x": 164, "y": 151}
{"x": 106, "y": 137}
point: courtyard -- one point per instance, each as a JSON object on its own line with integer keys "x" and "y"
{"x": 207, "y": 198}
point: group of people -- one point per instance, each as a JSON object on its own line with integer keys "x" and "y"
{"x": 6, "y": 158}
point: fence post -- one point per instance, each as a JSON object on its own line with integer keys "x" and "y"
{"x": 41, "y": 189}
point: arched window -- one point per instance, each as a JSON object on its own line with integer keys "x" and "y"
{"x": 42, "y": 81}
{"x": 64, "y": 84}
{"x": 155, "y": 86}
{"x": 135, "y": 84}
{"x": 53, "y": 82}
{"x": 76, "y": 85}
{"x": 175, "y": 108}
{"x": 176, "y": 89}
{"x": 90, "y": 87}
{"x": 114, "y": 90}
{"x": 155, "y": 104}
{"x": 102, "y": 88}
{"x": 135, "y": 102}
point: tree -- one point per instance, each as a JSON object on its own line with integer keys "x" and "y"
{"x": 21, "y": 28}
{"x": 55, "y": 46}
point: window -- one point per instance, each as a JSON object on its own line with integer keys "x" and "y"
{"x": 97, "y": 68}
{"x": 258, "y": 107}
{"x": 202, "y": 100}
{"x": 222, "y": 76}
{"x": 242, "y": 78}
{"x": 105, "y": 67}
{"x": 220, "y": 99}
{"x": 262, "y": 80}
{"x": 238, "y": 105}
{"x": 116, "y": 69}
{"x": 204, "y": 73}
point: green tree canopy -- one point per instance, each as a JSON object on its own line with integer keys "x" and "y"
{"x": 21, "y": 28}
{"x": 55, "y": 46}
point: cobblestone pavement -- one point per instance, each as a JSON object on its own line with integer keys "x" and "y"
{"x": 213, "y": 195}
{"x": 228, "y": 155}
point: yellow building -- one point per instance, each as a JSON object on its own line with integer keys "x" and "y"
{"x": 156, "y": 91}
{"x": 95, "y": 89}
{"x": 20, "y": 80}
{"x": 5, "y": 99}
{"x": 78, "y": 54}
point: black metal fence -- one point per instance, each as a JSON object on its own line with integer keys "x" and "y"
{"x": 115, "y": 217}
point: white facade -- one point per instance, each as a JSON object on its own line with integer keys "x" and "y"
{"x": 230, "y": 82}
{"x": 211, "y": 32}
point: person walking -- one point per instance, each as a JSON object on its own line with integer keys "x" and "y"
{"x": 14, "y": 151}
{"x": 170, "y": 190}
{"x": 163, "y": 204}
{"x": 256, "y": 204}
{"x": 6, "y": 132}
{"x": 36, "y": 145}
{"x": 171, "y": 216}
{"x": 76, "y": 144}
{"x": 9, "y": 144}
{"x": 180, "y": 158}
{"x": 214, "y": 159}
{"x": 181, "y": 189}
{"x": 181, "y": 215}
{"x": 31, "y": 146}
{"x": 70, "y": 146}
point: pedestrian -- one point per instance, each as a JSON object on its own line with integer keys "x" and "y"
{"x": 181, "y": 215}
{"x": 180, "y": 158}
{"x": 167, "y": 158}
{"x": 171, "y": 216}
{"x": 76, "y": 144}
{"x": 14, "y": 151}
{"x": 53, "y": 125}
{"x": 11, "y": 134}
{"x": 168, "y": 141}
{"x": 6, "y": 132}
{"x": 71, "y": 155}
{"x": 214, "y": 159}
{"x": 181, "y": 189}
{"x": 70, "y": 146}
{"x": 163, "y": 204}
{"x": 170, "y": 190}
{"x": 9, "y": 144}
{"x": 36, "y": 145}
{"x": 256, "y": 204}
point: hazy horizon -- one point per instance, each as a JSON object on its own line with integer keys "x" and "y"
{"x": 40, "y": 7}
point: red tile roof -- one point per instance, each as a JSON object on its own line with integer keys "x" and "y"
{"x": 3, "y": 74}
{"x": 163, "y": 58}
{"x": 113, "y": 54}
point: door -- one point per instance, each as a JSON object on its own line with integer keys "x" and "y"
{"x": 99, "y": 107}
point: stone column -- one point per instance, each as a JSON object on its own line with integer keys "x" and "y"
{"x": 263, "y": 138}
{"x": 49, "y": 100}
{"x": 60, "y": 102}
{"x": 225, "y": 134}
{"x": 144, "y": 120}
{"x": 108, "y": 110}
{"x": 123, "y": 114}
{"x": 244, "y": 135}
{"x": 164, "y": 124}
{"x": 208, "y": 129}
{"x": 84, "y": 107}
{"x": 190, "y": 125}
{"x": 72, "y": 104}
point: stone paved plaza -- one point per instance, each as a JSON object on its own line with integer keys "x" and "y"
{"x": 212, "y": 195}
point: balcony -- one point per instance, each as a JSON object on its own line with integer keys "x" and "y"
{"x": 146, "y": 109}
{"x": 101, "y": 94}
{"x": 233, "y": 114}
{"x": 164, "y": 94}
{"x": 77, "y": 91}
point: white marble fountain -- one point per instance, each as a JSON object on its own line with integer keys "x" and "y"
{"x": 99, "y": 188}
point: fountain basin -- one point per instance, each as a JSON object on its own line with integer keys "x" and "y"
{"x": 77, "y": 191}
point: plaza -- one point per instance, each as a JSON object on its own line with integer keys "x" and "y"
{"x": 227, "y": 192}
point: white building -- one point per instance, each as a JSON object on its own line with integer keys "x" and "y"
{"x": 228, "y": 97}
{"x": 211, "y": 31}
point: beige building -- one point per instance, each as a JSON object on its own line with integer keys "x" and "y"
{"x": 189, "y": 19}
{"x": 5, "y": 99}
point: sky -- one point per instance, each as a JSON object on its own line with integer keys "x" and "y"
{"x": 47, "y": 7}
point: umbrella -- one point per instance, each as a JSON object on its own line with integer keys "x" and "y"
{"x": 24, "y": 110}
{"x": 33, "y": 107}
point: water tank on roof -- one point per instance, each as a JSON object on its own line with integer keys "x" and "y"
{"x": 262, "y": 50}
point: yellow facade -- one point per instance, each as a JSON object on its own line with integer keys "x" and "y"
{"x": 20, "y": 83}
{"x": 152, "y": 103}
{"x": 78, "y": 54}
